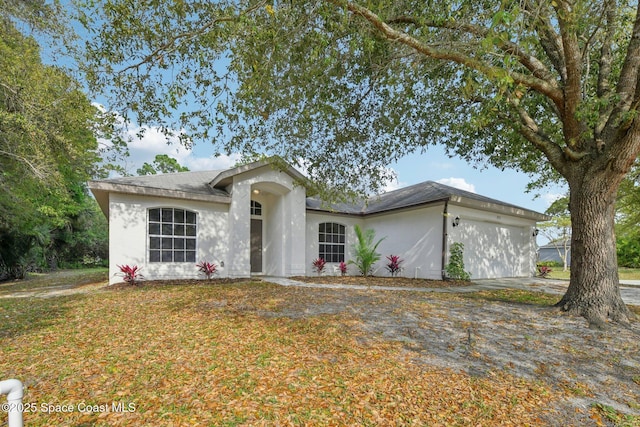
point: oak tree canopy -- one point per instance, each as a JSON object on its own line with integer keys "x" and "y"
{"x": 344, "y": 87}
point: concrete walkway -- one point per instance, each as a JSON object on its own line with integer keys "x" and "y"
{"x": 630, "y": 290}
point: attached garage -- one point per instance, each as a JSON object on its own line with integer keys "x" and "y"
{"x": 495, "y": 244}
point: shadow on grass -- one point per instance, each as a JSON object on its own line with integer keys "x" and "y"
{"x": 516, "y": 296}
{"x": 57, "y": 279}
{"x": 24, "y": 315}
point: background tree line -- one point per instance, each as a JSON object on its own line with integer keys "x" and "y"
{"x": 48, "y": 150}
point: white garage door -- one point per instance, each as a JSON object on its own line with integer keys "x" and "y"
{"x": 495, "y": 250}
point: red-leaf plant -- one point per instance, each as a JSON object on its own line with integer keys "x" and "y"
{"x": 130, "y": 274}
{"x": 207, "y": 268}
{"x": 393, "y": 266}
{"x": 318, "y": 265}
{"x": 343, "y": 268}
{"x": 544, "y": 271}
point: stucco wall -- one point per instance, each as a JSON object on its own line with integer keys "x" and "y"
{"x": 283, "y": 221}
{"x": 312, "y": 223}
{"x": 495, "y": 245}
{"x": 416, "y": 236}
{"x": 128, "y": 236}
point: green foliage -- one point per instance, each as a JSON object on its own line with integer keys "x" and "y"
{"x": 628, "y": 248}
{"x": 344, "y": 88}
{"x": 162, "y": 164}
{"x": 47, "y": 153}
{"x": 308, "y": 79}
{"x": 628, "y": 200}
{"x": 455, "y": 267}
{"x": 615, "y": 417}
{"x": 549, "y": 264}
{"x": 364, "y": 252}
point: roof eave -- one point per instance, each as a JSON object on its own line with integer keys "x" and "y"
{"x": 499, "y": 208}
{"x": 101, "y": 190}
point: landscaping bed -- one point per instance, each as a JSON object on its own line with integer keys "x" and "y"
{"x": 381, "y": 281}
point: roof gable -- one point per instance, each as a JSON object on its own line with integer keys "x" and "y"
{"x": 225, "y": 178}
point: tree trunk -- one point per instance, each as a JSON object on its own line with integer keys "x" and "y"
{"x": 594, "y": 289}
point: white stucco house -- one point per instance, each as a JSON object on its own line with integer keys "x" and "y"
{"x": 256, "y": 219}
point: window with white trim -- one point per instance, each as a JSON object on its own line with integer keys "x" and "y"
{"x": 331, "y": 241}
{"x": 172, "y": 235}
{"x": 256, "y": 208}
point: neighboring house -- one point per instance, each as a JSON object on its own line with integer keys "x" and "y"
{"x": 554, "y": 252}
{"x": 257, "y": 220}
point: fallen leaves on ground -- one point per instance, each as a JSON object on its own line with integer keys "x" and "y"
{"x": 230, "y": 355}
{"x": 374, "y": 281}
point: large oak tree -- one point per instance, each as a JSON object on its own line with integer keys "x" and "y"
{"x": 547, "y": 87}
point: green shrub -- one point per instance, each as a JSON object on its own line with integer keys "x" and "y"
{"x": 549, "y": 264}
{"x": 455, "y": 267}
{"x": 628, "y": 252}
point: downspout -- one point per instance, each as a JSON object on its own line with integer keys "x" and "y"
{"x": 13, "y": 389}
{"x": 445, "y": 217}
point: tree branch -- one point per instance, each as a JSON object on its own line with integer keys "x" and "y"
{"x": 606, "y": 59}
{"x": 36, "y": 171}
{"x": 531, "y": 131}
{"x": 542, "y": 86}
{"x": 170, "y": 45}
{"x": 549, "y": 39}
{"x": 573, "y": 63}
{"x": 533, "y": 64}
{"x": 627, "y": 89}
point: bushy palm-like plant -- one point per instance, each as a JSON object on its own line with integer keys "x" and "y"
{"x": 364, "y": 251}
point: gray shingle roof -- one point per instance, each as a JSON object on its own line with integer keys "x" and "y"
{"x": 198, "y": 184}
{"x": 187, "y": 182}
{"x": 415, "y": 195}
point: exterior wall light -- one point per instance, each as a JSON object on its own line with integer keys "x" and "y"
{"x": 535, "y": 232}
{"x": 456, "y": 221}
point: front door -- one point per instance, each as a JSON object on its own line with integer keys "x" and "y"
{"x": 256, "y": 246}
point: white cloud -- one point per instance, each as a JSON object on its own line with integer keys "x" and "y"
{"x": 212, "y": 163}
{"x": 394, "y": 184}
{"x": 549, "y": 198}
{"x": 153, "y": 142}
{"x": 441, "y": 165}
{"x": 459, "y": 183}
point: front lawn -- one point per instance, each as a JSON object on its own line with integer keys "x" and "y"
{"x": 259, "y": 354}
{"x": 623, "y": 273}
{"x": 228, "y": 355}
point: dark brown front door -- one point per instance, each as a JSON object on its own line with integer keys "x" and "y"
{"x": 256, "y": 246}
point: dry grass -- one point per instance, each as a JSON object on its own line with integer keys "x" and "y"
{"x": 231, "y": 355}
{"x": 249, "y": 353}
{"x": 378, "y": 281}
